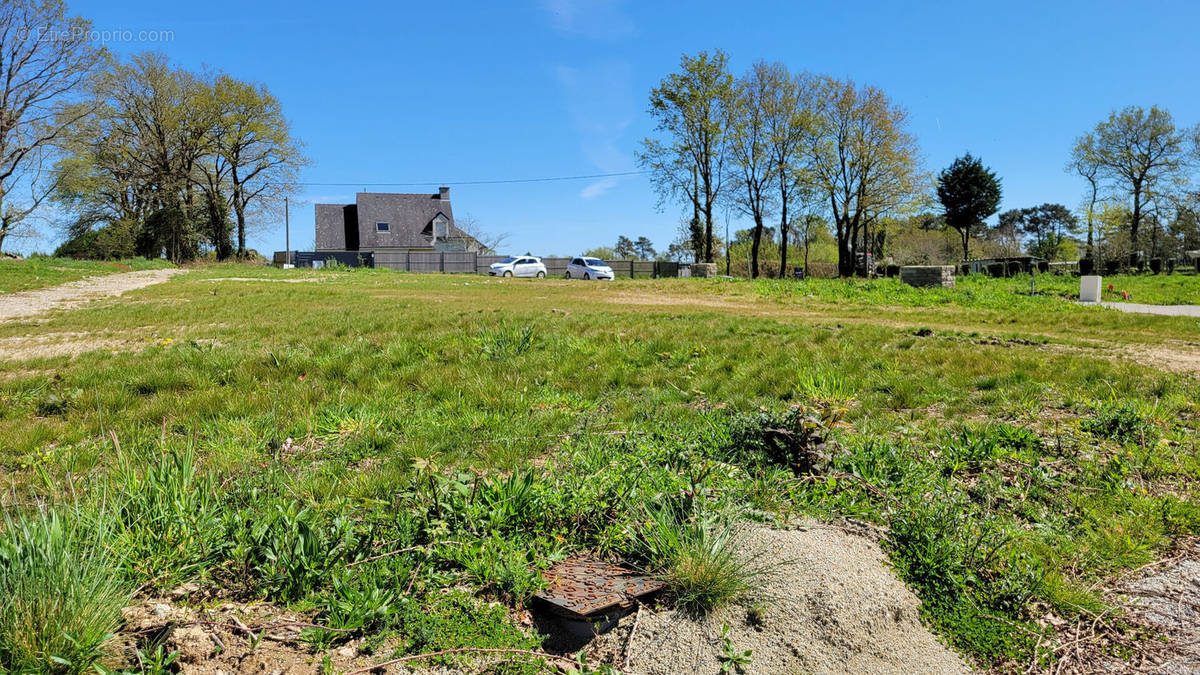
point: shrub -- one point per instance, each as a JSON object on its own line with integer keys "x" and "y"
{"x": 61, "y": 600}
{"x": 799, "y": 438}
{"x": 111, "y": 242}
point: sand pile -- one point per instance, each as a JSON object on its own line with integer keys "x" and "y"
{"x": 835, "y": 608}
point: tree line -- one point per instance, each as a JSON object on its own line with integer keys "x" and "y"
{"x": 775, "y": 143}
{"x": 142, "y": 156}
{"x": 780, "y": 147}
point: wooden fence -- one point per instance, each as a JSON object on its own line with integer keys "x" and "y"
{"x": 466, "y": 262}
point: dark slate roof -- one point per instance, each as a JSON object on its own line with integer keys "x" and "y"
{"x": 331, "y": 227}
{"x": 407, "y": 216}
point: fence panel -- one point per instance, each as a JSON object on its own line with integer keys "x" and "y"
{"x": 556, "y": 267}
{"x": 424, "y": 261}
{"x": 483, "y": 262}
{"x": 642, "y": 268}
{"x": 458, "y": 262}
{"x": 666, "y": 269}
{"x": 347, "y": 258}
{"x": 392, "y": 260}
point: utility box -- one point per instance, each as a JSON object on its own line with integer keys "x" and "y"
{"x": 1089, "y": 289}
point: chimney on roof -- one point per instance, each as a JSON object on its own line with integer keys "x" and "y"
{"x": 444, "y": 193}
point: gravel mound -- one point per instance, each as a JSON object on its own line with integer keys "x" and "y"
{"x": 833, "y": 607}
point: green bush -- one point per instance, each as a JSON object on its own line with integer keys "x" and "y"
{"x": 61, "y": 602}
{"x": 111, "y": 242}
{"x": 800, "y": 438}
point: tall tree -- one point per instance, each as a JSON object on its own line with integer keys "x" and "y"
{"x": 159, "y": 126}
{"x": 253, "y": 137}
{"x": 691, "y": 110}
{"x": 161, "y": 137}
{"x": 969, "y": 193}
{"x": 1137, "y": 151}
{"x": 864, "y": 162}
{"x": 789, "y": 119}
{"x": 750, "y": 151}
{"x": 644, "y": 249}
{"x": 624, "y": 248}
{"x": 1083, "y": 163}
{"x": 44, "y": 58}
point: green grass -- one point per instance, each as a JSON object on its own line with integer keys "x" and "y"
{"x": 1181, "y": 288}
{"x": 269, "y": 434}
{"x": 62, "y": 603}
{"x": 42, "y": 271}
{"x": 699, "y": 557}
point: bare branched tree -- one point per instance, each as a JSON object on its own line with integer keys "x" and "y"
{"x": 489, "y": 242}
{"x": 691, "y": 114}
{"x": 44, "y": 58}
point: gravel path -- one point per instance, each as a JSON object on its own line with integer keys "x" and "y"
{"x": 834, "y": 607}
{"x": 1164, "y": 310}
{"x": 31, "y": 303}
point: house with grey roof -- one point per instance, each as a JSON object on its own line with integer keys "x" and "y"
{"x": 389, "y": 221}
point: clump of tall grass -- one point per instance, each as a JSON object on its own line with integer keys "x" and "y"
{"x": 505, "y": 340}
{"x": 62, "y": 599}
{"x": 701, "y": 559}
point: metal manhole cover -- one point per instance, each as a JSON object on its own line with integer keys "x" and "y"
{"x": 583, "y": 588}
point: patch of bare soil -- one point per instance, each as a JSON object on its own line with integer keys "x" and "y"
{"x": 831, "y": 606}
{"x": 76, "y": 293}
{"x": 230, "y": 638}
{"x": 22, "y": 348}
{"x": 1173, "y": 356}
{"x": 677, "y": 301}
{"x": 305, "y": 280}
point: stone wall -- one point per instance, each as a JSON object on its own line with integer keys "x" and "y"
{"x": 926, "y": 276}
{"x": 708, "y": 270}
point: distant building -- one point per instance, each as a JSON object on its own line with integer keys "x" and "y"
{"x": 390, "y": 221}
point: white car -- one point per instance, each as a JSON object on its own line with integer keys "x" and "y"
{"x": 589, "y": 268}
{"x": 519, "y": 266}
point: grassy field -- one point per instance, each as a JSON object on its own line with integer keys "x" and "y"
{"x": 257, "y": 436}
{"x": 42, "y": 271}
{"x": 1149, "y": 289}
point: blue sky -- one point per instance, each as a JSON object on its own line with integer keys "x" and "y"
{"x": 404, "y": 92}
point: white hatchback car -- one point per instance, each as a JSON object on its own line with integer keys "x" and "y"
{"x": 519, "y": 266}
{"x": 589, "y": 268}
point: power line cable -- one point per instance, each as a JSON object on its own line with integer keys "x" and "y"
{"x": 479, "y": 182}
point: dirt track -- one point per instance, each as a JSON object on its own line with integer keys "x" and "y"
{"x": 75, "y": 293}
